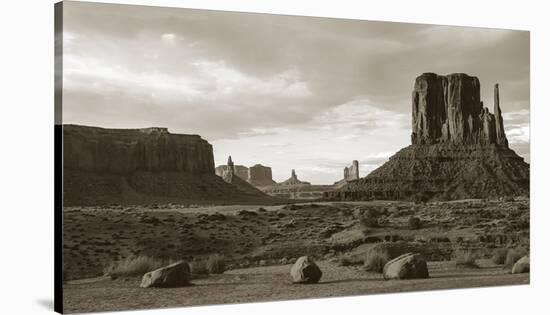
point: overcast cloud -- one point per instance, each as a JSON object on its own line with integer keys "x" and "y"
{"x": 311, "y": 94}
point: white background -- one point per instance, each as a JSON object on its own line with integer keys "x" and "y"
{"x": 26, "y": 156}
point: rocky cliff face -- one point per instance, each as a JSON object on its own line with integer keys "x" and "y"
{"x": 124, "y": 151}
{"x": 259, "y": 175}
{"x": 351, "y": 173}
{"x": 230, "y": 176}
{"x": 459, "y": 149}
{"x": 240, "y": 170}
{"x": 136, "y": 166}
{"x": 447, "y": 109}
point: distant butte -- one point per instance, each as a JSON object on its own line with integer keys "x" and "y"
{"x": 142, "y": 166}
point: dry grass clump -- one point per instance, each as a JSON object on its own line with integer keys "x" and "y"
{"x": 215, "y": 263}
{"x": 499, "y": 256}
{"x": 466, "y": 257}
{"x": 135, "y": 266}
{"x": 414, "y": 223}
{"x": 376, "y": 260}
{"x": 514, "y": 255}
{"x": 345, "y": 260}
{"x": 198, "y": 267}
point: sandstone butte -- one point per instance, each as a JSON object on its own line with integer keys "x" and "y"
{"x": 458, "y": 149}
{"x": 137, "y": 166}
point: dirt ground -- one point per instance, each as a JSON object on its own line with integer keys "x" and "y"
{"x": 259, "y": 241}
{"x": 272, "y": 283}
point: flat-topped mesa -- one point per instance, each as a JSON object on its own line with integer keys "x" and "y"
{"x": 259, "y": 175}
{"x": 125, "y": 151}
{"x": 448, "y": 109}
{"x": 239, "y": 170}
{"x": 144, "y": 166}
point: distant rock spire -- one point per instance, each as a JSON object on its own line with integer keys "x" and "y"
{"x": 500, "y": 135}
{"x": 230, "y": 164}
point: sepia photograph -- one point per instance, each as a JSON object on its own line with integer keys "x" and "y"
{"x": 216, "y": 157}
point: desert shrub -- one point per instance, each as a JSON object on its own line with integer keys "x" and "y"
{"x": 499, "y": 256}
{"x": 369, "y": 221}
{"x": 376, "y": 260}
{"x": 420, "y": 197}
{"x": 135, "y": 266}
{"x": 345, "y": 260}
{"x": 414, "y": 223}
{"x": 466, "y": 257}
{"x": 215, "y": 263}
{"x": 198, "y": 266}
{"x": 514, "y": 255}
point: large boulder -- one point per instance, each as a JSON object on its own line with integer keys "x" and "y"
{"x": 406, "y": 266}
{"x": 175, "y": 275}
{"x": 522, "y": 265}
{"x": 305, "y": 271}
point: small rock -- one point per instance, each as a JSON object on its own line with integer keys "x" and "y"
{"x": 305, "y": 271}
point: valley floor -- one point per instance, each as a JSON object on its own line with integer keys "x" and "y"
{"x": 272, "y": 283}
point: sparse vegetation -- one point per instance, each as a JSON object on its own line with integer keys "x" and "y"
{"x": 345, "y": 260}
{"x": 198, "y": 267}
{"x": 414, "y": 223}
{"x": 369, "y": 221}
{"x": 135, "y": 266}
{"x": 215, "y": 263}
{"x": 514, "y": 255}
{"x": 499, "y": 256}
{"x": 466, "y": 257}
{"x": 376, "y": 260}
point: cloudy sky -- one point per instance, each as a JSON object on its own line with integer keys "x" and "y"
{"x": 311, "y": 94}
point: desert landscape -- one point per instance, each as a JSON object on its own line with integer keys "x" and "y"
{"x": 149, "y": 221}
{"x": 211, "y": 157}
{"x": 469, "y": 243}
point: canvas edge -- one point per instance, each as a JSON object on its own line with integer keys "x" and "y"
{"x": 58, "y": 157}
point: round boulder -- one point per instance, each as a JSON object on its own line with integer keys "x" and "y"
{"x": 175, "y": 275}
{"x": 522, "y": 265}
{"x": 406, "y": 266}
{"x": 305, "y": 271}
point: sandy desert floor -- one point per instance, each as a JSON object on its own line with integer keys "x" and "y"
{"x": 272, "y": 283}
{"x": 258, "y": 241}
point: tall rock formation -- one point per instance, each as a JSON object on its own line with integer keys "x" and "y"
{"x": 293, "y": 181}
{"x": 500, "y": 137}
{"x": 351, "y": 173}
{"x": 135, "y": 166}
{"x": 459, "y": 149}
{"x": 259, "y": 175}
{"x": 239, "y": 170}
{"x": 229, "y": 176}
{"x": 447, "y": 109}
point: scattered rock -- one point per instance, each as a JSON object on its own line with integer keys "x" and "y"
{"x": 406, "y": 266}
{"x": 305, "y": 271}
{"x": 175, "y": 275}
